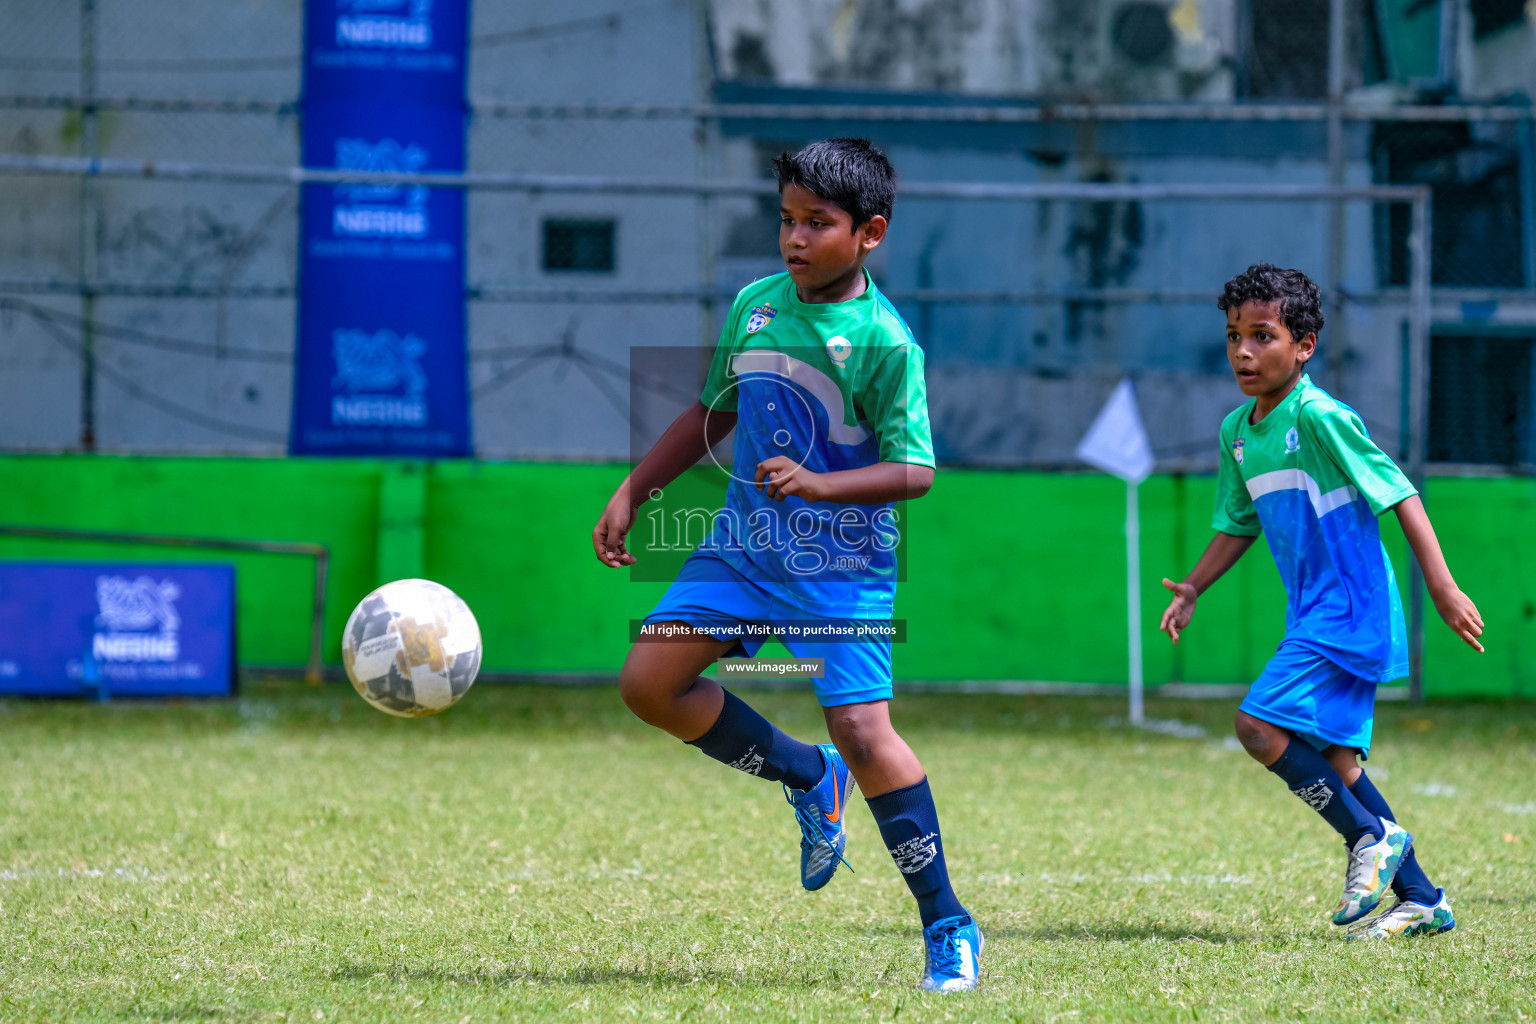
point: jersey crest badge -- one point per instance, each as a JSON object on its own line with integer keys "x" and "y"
{"x": 1292, "y": 441}
{"x": 760, "y": 318}
{"x": 839, "y": 349}
{"x": 1237, "y": 451}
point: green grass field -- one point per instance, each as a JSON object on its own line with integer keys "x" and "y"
{"x": 535, "y": 854}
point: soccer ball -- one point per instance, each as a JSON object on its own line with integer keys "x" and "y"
{"x": 411, "y": 648}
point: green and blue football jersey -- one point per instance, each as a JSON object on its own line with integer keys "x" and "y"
{"x": 1311, "y": 480}
{"x": 832, "y": 386}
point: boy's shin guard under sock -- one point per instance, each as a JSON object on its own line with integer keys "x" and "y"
{"x": 1312, "y": 778}
{"x": 747, "y": 741}
{"x": 909, "y": 824}
{"x": 1410, "y": 883}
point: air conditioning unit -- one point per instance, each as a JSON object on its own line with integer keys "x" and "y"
{"x": 1141, "y": 34}
{"x": 1168, "y": 49}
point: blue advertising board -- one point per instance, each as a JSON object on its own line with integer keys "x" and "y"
{"x": 386, "y": 51}
{"x": 114, "y": 628}
{"x": 380, "y": 366}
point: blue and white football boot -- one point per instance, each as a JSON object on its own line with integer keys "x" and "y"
{"x": 819, "y": 812}
{"x": 1407, "y": 918}
{"x": 1368, "y": 874}
{"x": 953, "y": 947}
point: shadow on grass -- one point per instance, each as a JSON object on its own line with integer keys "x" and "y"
{"x": 191, "y": 1012}
{"x": 601, "y": 976}
{"x": 1067, "y": 931}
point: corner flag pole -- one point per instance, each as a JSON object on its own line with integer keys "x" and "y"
{"x": 1133, "y": 597}
{"x": 1117, "y": 443}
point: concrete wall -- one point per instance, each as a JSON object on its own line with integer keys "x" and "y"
{"x": 1010, "y": 384}
{"x": 1019, "y": 47}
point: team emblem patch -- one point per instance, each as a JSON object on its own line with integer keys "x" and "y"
{"x": 1292, "y": 441}
{"x": 751, "y": 762}
{"x": 761, "y": 316}
{"x": 839, "y": 349}
{"x": 1237, "y": 451}
{"x": 915, "y": 854}
{"x": 1315, "y": 796}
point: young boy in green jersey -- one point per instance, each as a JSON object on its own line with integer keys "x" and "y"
{"x": 823, "y": 383}
{"x": 1298, "y": 465}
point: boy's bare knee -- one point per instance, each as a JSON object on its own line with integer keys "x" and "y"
{"x": 642, "y": 696}
{"x": 854, "y": 734}
{"x": 633, "y": 692}
{"x": 1263, "y": 741}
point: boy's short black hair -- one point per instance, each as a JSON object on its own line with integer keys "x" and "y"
{"x": 849, "y": 172}
{"x": 1301, "y": 307}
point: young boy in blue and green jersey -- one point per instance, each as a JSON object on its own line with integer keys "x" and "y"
{"x": 823, "y": 383}
{"x": 1298, "y": 465}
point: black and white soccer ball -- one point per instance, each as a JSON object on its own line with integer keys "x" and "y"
{"x": 411, "y": 648}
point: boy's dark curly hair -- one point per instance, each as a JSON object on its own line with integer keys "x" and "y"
{"x": 849, "y": 172}
{"x": 1301, "y": 307}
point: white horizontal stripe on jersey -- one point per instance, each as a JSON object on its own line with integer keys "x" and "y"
{"x": 1296, "y": 480}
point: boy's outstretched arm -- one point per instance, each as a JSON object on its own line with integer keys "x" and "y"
{"x": 780, "y": 476}
{"x": 684, "y": 444}
{"x": 1454, "y": 607}
{"x": 1220, "y": 555}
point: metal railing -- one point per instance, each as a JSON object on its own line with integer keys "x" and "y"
{"x": 1418, "y": 197}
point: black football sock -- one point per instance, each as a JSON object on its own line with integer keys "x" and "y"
{"x": 744, "y": 739}
{"x": 1311, "y": 777}
{"x": 1411, "y": 882}
{"x": 909, "y": 824}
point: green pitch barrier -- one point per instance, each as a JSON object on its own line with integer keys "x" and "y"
{"x": 1009, "y": 576}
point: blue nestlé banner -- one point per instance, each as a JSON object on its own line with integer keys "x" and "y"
{"x": 381, "y": 364}
{"x": 122, "y": 629}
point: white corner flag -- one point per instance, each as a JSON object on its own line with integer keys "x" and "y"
{"x": 1117, "y": 443}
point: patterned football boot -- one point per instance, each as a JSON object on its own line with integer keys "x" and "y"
{"x": 819, "y": 811}
{"x": 952, "y": 946}
{"x": 1368, "y": 875}
{"x": 1406, "y": 918}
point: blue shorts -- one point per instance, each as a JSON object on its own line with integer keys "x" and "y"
{"x": 1304, "y": 692}
{"x": 711, "y": 595}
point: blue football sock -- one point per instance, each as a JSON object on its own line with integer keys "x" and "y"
{"x": 1312, "y": 778}
{"x": 1411, "y": 882}
{"x": 909, "y": 824}
{"x": 744, "y": 739}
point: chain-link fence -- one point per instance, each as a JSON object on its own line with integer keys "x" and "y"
{"x": 159, "y": 315}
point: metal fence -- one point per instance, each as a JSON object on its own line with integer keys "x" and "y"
{"x": 1016, "y": 364}
{"x": 157, "y": 314}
